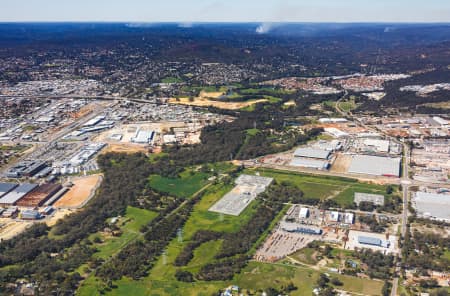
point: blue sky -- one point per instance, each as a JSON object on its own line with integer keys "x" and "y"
{"x": 227, "y": 10}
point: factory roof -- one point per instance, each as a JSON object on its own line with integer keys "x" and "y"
{"x": 377, "y": 199}
{"x": 433, "y": 205}
{"x": 309, "y": 163}
{"x": 375, "y": 165}
{"x": 369, "y": 240}
{"x": 17, "y": 193}
{"x": 6, "y": 187}
{"x": 312, "y": 153}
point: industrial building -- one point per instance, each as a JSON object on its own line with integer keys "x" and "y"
{"x": 376, "y": 145}
{"x": 247, "y": 188}
{"x": 375, "y": 165}
{"x": 432, "y": 205}
{"x": 87, "y": 151}
{"x": 332, "y": 120}
{"x": 143, "y": 137}
{"x": 294, "y": 227}
{"x": 30, "y": 215}
{"x": 310, "y": 163}
{"x": 26, "y": 169}
{"x": 6, "y": 188}
{"x": 304, "y": 213}
{"x": 373, "y": 241}
{"x": 312, "y": 153}
{"x": 39, "y": 196}
{"x": 16, "y": 194}
{"x": 349, "y": 218}
{"x": 376, "y": 199}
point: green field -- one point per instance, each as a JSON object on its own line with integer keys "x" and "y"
{"x": 130, "y": 224}
{"x": 256, "y": 276}
{"x": 320, "y": 187}
{"x": 171, "y": 80}
{"x": 186, "y": 185}
{"x": 189, "y": 182}
{"x": 345, "y": 198}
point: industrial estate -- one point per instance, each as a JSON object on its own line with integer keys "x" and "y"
{"x": 172, "y": 176}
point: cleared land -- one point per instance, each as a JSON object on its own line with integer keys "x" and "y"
{"x": 206, "y": 99}
{"x": 187, "y": 184}
{"x": 10, "y": 229}
{"x": 82, "y": 190}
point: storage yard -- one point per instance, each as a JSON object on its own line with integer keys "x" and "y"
{"x": 247, "y": 189}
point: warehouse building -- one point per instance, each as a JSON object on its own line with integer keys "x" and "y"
{"x": 25, "y": 169}
{"x": 16, "y": 194}
{"x": 30, "y": 215}
{"x": 247, "y": 188}
{"x": 376, "y": 199}
{"x": 304, "y": 213}
{"x": 296, "y": 228}
{"x": 373, "y": 241}
{"x": 310, "y": 163}
{"x": 39, "y": 196}
{"x": 432, "y": 205}
{"x": 375, "y": 165}
{"x": 143, "y": 137}
{"x": 312, "y": 153}
{"x": 6, "y": 188}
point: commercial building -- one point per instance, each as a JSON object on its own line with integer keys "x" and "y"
{"x": 376, "y": 199}
{"x": 432, "y": 205}
{"x": 39, "y": 196}
{"x": 375, "y": 165}
{"x": 16, "y": 194}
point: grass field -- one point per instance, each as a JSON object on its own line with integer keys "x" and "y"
{"x": 130, "y": 224}
{"x": 189, "y": 181}
{"x": 319, "y": 187}
{"x": 345, "y": 198}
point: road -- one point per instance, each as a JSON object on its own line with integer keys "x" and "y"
{"x": 405, "y": 181}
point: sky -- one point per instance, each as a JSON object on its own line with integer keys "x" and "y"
{"x": 188, "y": 11}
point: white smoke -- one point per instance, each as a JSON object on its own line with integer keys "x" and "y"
{"x": 186, "y": 25}
{"x": 264, "y": 28}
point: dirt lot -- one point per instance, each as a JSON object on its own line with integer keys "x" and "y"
{"x": 204, "y": 100}
{"x": 59, "y": 214}
{"x": 9, "y": 228}
{"x": 341, "y": 164}
{"x": 124, "y": 148}
{"x": 81, "y": 191}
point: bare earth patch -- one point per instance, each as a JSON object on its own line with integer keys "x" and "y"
{"x": 80, "y": 192}
{"x": 205, "y": 100}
